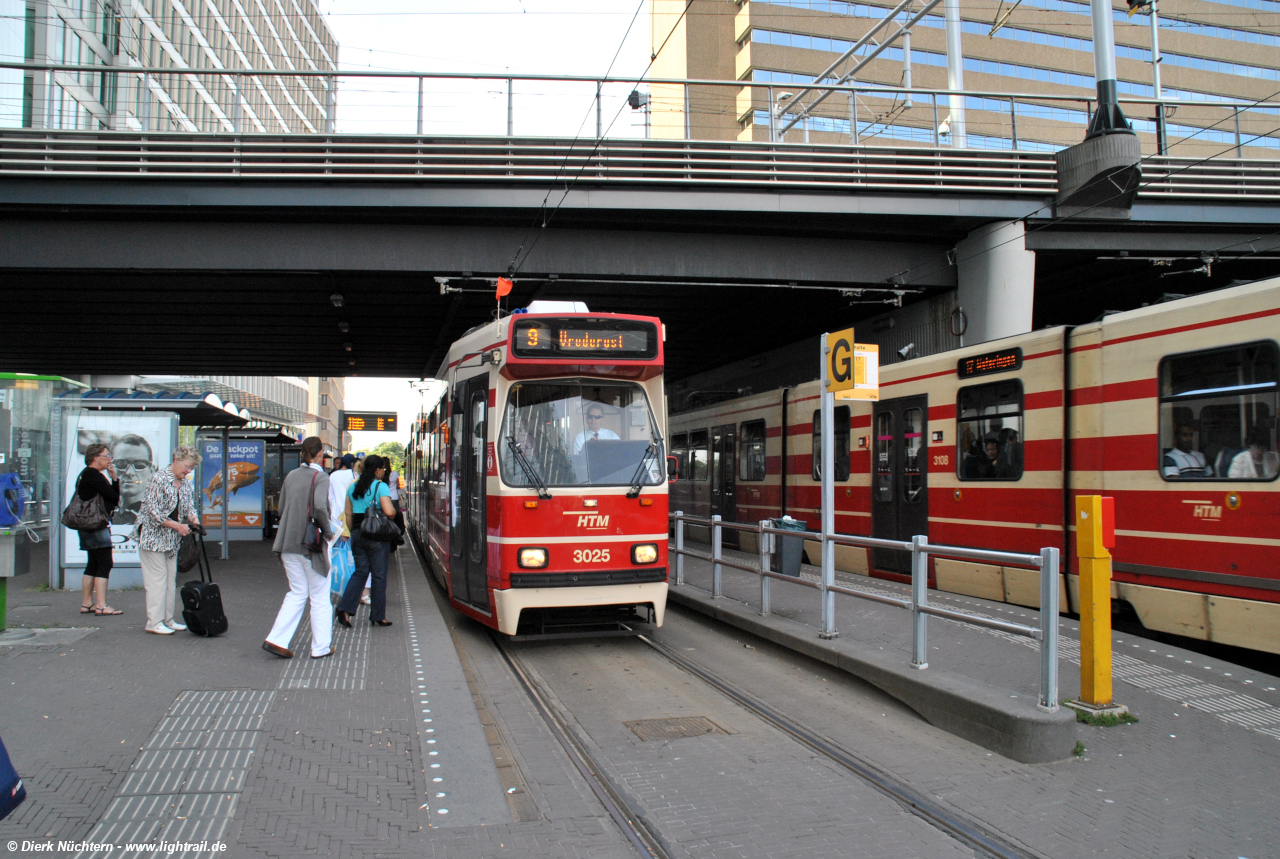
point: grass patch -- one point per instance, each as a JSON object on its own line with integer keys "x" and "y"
{"x": 1106, "y": 720}
{"x": 1079, "y": 750}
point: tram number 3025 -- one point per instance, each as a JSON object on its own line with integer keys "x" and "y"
{"x": 591, "y": 556}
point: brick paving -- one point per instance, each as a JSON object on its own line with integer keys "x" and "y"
{"x": 339, "y": 763}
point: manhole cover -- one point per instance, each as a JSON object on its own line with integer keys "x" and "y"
{"x": 673, "y": 729}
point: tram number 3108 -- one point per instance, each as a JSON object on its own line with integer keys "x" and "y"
{"x": 591, "y": 556}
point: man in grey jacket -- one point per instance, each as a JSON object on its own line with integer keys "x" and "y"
{"x": 304, "y": 499}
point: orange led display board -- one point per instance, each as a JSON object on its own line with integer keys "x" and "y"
{"x": 990, "y": 362}
{"x": 369, "y": 422}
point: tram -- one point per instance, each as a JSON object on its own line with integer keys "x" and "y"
{"x": 537, "y": 486}
{"x": 1171, "y": 409}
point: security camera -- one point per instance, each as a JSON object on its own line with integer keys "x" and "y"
{"x": 907, "y": 351}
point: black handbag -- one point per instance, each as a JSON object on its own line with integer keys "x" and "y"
{"x": 188, "y": 552}
{"x": 82, "y": 515}
{"x": 376, "y": 525}
{"x": 313, "y": 538}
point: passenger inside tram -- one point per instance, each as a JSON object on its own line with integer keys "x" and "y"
{"x": 572, "y": 433}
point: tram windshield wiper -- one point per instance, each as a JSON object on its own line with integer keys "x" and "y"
{"x": 637, "y": 479}
{"x": 528, "y": 467}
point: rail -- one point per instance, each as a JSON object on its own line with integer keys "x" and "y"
{"x": 516, "y": 161}
{"x": 535, "y": 162}
{"x": 918, "y": 604}
{"x": 882, "y": 115}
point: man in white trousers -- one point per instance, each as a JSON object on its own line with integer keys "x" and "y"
{"x": 304, "y": 500}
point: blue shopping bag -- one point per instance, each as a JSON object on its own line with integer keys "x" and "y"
{"x": 12, "y": 793}
{"x": 341, "y": 565}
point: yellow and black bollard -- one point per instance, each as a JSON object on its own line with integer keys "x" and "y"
{"x": 1095, "y": 534}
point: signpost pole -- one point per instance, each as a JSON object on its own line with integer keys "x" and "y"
{"x": 828, "y": 627}
{"x": 226, "y": 496}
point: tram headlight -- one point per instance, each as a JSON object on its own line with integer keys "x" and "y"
{"x": 532, "y": 558}
{"x": 644, "y": 553}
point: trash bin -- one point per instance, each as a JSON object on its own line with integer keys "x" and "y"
{"x": 790, "y": 549}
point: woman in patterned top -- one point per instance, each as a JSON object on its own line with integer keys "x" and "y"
{"x": 167, "y": 508}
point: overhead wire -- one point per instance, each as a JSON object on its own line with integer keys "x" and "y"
{"x": 955, "y": 260}
{"x": 518, "y": 259}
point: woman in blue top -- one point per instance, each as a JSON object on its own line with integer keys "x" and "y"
{"x": 370, "y": 555}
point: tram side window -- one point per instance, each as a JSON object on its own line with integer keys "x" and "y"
{"x": 751, "y": 451}
{"x": 989, "y": 431}
{"x": 699, "y": 456}
{"x": 1218, "y": 414}
{"x": 841, "y": 420}
{"x": 680, "y": 450}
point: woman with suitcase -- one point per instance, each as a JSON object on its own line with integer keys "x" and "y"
{"x": 168, "y": 511}
{"x": 302, "y": 544}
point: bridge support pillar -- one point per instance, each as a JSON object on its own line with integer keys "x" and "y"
{"x": 997, "y": 276}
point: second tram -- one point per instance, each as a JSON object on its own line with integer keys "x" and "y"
{"x": 537, "y": 486}
{"x": 1171, "y": 409}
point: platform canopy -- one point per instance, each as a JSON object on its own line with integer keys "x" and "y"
{"x": 207, "y": 410}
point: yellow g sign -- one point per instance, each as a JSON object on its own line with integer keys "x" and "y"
{"x": 840, "y": 361}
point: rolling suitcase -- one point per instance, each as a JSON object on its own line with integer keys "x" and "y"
{"x": 202, "y": 600}
{"x": 12, "y": 793}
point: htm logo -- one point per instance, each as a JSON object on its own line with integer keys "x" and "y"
{"x": 1202, "y": 509}
{"x": 593, "y": 520}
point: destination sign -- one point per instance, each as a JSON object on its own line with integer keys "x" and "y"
{"x": 989, "y": 362}
{"x": 554, "y": 338}
{"x": 369, "y": 422}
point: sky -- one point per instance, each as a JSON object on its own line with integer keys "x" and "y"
{"x": 545, "y": 37}
{"x": 555, "y": 37}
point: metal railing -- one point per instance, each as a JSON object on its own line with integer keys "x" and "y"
{"x": 615, "y": 162}
{"x": 921, "y": 550}
{"x": 871, "y": 114}
{"x": 515, "y": 161}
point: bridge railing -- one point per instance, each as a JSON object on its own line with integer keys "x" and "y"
{"x": 561, "y": 106}
{"x": 917, "y": 603}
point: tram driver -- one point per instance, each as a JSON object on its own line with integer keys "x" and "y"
{"x": 593, "y": 420}
{"x": 1181, "y": 462}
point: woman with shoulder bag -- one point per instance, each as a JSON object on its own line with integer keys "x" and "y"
{"x": 371, "y": 555}
{"x": 98, "y": 480}
{"x": 302, "y": 544}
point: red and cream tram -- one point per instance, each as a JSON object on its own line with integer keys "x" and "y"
{"x": 1171, "y": 410}
{"x": 537, "y": 486}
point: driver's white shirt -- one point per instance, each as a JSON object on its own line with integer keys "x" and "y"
{"x": 585, "y": 436}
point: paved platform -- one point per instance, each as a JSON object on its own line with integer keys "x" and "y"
{"x": 1195, "y": 775}
{"x": 383, "y": 749}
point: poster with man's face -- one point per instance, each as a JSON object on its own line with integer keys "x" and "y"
{"x": 140, "y": 445}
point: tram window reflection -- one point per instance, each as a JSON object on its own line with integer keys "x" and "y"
{"x": 580, "y": 432}
{"x": 989, "y": 431}
{"x": 751, "y": 459}
{"x": 1218, "y": 414}
{"x": 840, "y": 418}
{"x": 699, "y": 456}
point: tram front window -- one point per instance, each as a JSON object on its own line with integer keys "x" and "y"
{"x": 580, "y": 433}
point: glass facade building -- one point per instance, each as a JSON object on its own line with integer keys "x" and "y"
{"x": 262, "y": 37}
{"x": 1225, "y": 51}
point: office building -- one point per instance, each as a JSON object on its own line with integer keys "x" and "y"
{"x": 326, "y": 397}
{"x": 261, "y": 37}
{"x": 1210, "y": 51}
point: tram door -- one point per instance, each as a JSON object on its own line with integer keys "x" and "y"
{"x": 899, "y": 477}
{"x": 468, "y": 538}
{"x": 723, "y": 474}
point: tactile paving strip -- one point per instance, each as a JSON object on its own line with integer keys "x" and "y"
{"x": 185, "y": 785}
{"x": 344, "y": 671}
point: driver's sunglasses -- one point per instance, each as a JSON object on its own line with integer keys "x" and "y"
{"x": 595, "y": 417}
{"x": 134, "y": 464}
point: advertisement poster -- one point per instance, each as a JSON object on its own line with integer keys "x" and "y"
{"x": 140, "y": 444}
{"x": 244, "y": 476}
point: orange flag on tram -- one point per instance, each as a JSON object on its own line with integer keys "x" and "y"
{"x": 504, "y": 287}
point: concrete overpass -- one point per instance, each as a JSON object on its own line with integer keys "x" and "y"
{"x": 190, "y": 253}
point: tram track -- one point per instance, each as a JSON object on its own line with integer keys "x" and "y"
{"x": 981, "y": 839}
